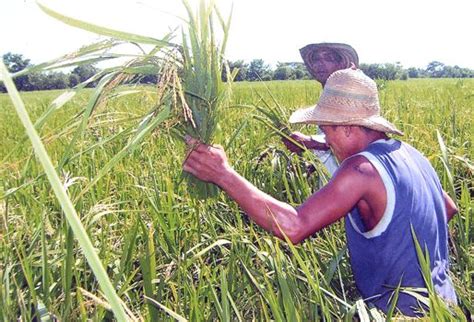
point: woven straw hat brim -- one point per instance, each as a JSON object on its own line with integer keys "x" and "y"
{"x": 348, "y": 54}
{"x": 315, "y": 115}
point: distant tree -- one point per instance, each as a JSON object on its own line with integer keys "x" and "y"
{"x": 404, "y": 75}
{"x": 291, "y": 70}
{"x": 456, "y": 72}
{"x": 84, "y": 72}
{"x": 243, "y": 69}
{"x": 258, "y": 70}
{"x": 38, "y": 81}
{"x": 393, "y": 71}
{"x": 240, "y": 66}
{"x": 466, "y": 72}
{"x": 283, "y": 72}
{"x": 74, "y": 80}
{"x": 382, "y": 71}
{"x": 49, "y": 81}
{"x": 371, "y": 70}
{"x": 14, "y": 64}
{"x": 435, "y": 69}
{"x": 300, "y": 71}
{"x": 413, "y": 72}
{"x": 57, "y": 80}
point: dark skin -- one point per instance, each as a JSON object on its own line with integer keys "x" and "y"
{"x": 326, "y": 63}
{"x": 356, "y": 184}
{"x": 304, "y": 140}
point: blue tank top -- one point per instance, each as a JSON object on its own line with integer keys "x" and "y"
{"x": 385, "y": 256}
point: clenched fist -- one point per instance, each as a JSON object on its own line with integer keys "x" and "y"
{"x": 206, "y": 162}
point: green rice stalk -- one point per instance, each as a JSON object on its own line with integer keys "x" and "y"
{"x": 275, "y": 117}
{"x": 105, "y": 31}
{"x": 88, "y": 54}
{"x": 149, "y": 123}
{"x": 44, "y": 264}
{"x": 205, "y": 94}
{"x": 447, "y": 167}
{"x": 393, "y": 301}
{"x": 313, "y": 280}
{"x": 438, "y": 309}
{"x": 170, "y": 312}
{"x": 287, "y": 297}
{"x": 67, "y": 269}
{"x": 148, "y": 267}
{"x": 81, "y": 304}
{"x": 26, "y": 267}
{"x": 201, "y": 93}
{"x": 63, "y": 198}
{"x": 129, "y": 245}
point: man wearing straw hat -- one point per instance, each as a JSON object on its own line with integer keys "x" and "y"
{"x": 321, "y": 61}
{"x": 387, "y": 192}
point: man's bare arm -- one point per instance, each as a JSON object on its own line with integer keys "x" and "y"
{"x": 323, "y": 208}
{"x": 451, "y": 208}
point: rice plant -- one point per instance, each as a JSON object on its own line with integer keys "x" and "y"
{"x": 166, "y": 254}
{"x": 205, "y": 93}
{"x": 65, "y": 202}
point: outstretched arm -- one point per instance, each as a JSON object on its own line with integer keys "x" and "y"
{"x": 209, "y": 163}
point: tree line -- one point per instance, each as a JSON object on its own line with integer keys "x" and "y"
{"x": 256, "y": 70}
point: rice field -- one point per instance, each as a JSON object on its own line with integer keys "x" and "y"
{"x": 171, "y": 256}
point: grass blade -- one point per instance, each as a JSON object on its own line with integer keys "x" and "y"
{"x": 105, "y": 31}
{"x": 63, "y": 198}
{"x": 168, "y": 311}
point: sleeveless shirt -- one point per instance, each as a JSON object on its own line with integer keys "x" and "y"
{"x": 386, "y": 256}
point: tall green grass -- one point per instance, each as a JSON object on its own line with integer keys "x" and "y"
{"x": 66, "y": 205}
{"x": 170, "y": 256}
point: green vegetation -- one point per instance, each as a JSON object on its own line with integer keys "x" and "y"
{"x": 255, "y": 70}
{"x": 171, "y": 256}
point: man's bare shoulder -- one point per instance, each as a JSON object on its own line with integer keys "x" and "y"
{"x": 358, "y": 165}
{"x": 355, "y": 175}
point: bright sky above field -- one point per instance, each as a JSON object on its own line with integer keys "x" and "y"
{"x": 412, "y": 32}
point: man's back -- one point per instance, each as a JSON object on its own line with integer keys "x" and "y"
{"x": 385, "y": 255}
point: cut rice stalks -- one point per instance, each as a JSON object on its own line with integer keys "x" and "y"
{"x": 205, "y": 93}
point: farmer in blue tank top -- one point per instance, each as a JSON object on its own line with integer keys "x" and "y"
{"x": 384, "y": 189}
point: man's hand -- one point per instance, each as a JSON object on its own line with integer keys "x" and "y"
{"x": 304, "y": 140}
{"x": 207, "y": 163}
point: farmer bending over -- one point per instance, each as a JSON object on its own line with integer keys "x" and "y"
{"x": 383, "y": 187}
{"x": 321, "y": 61}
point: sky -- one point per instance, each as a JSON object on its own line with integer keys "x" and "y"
{"x": 412, "y": 32}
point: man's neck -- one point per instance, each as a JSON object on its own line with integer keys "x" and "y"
{"x": 368, "y": 137}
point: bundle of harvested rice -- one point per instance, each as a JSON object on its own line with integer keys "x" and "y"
{"x": 205, "y": 93}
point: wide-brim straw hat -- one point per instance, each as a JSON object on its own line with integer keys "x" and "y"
{"x": 349, "y": 98}
{"x": 309, "y": 54}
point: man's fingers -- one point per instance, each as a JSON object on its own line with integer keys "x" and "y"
{"x": 190, "y": 141}
{"x": 195, "y": 145}
{"x": 188, "y": 168}
{"x": 191, "y": 164}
